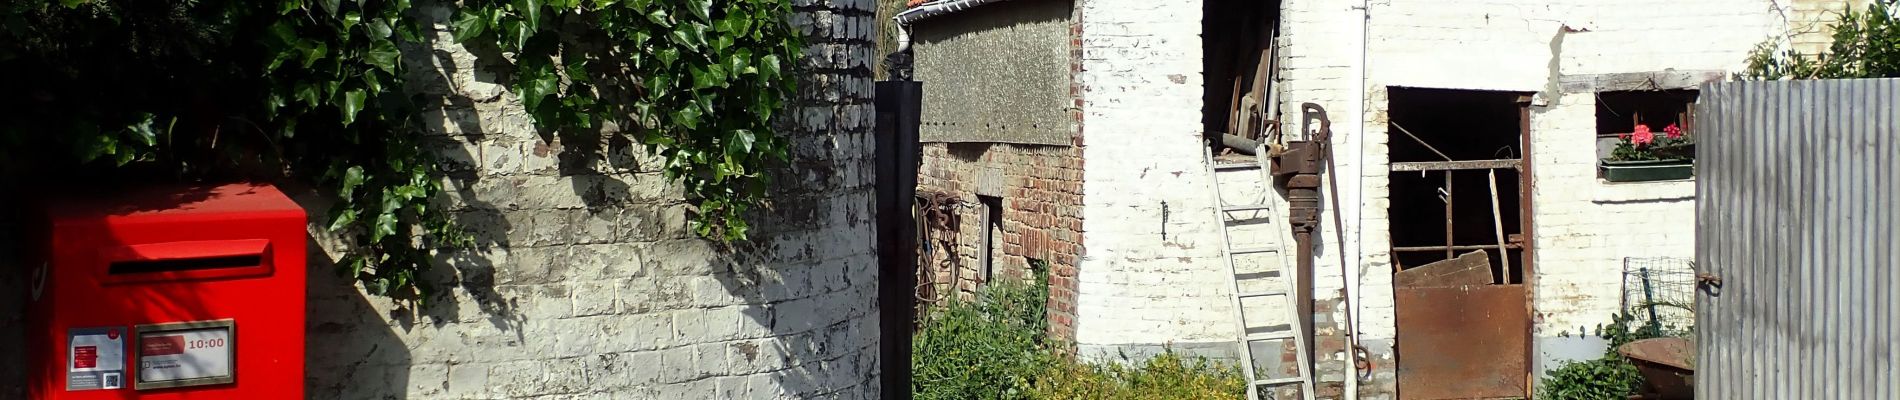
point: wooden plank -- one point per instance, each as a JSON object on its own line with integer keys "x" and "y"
{"x": 1469, "y": 269}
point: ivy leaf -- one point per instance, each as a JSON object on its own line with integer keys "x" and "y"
{"x": 352, "y": 102}
{"x": 372, "y": 82}
{"x": 530, "y": 11}
{"x": 740, "y": 142}
{"x": 351, "y": 19}
{"x": 687, "y": 117}
{"x": 710, "y": 76}
{"x": 577, "y": 70}
{"x": 352, "y": 178}
{"x": 383, "y": 55}
{"x": 409, "y": 29}
{"x": 658, "y": 17}
{"x": 768, "y": 67}
{"x": 690, "y": 35}
{"x": 522, "y": 33}
{"x": 342, "y": 220}
{"x": 702, "y": 9}
{"x": 377, "y": 28}
{"x": 667, "y": 56}
{"x": 313, "y": 51}
{"x": 330, "y": 6}
{"x": 306, "y": 93}
{"x": 273, "y": 102}
{"x": 467, "y": 26}
{"x": 740, "y": 63}
{"x": 385, "y": 227}
{"x": 286, "y": 6}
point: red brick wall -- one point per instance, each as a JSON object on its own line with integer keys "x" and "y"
{"x": 1040, "y": 188}
{"x": 1041, "y": 191}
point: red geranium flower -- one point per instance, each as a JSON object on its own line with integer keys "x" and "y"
{"x": 1673, "y": 131}
{"x": 1642, "y": 135}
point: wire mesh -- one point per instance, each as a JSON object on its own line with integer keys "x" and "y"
{"x": 1660, "y": 293}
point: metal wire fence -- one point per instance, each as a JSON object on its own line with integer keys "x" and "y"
{"x": 1660, "y": 293}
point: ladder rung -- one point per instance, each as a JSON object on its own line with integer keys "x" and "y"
{"x": 1252, "y": 250}
{"x": 1279, "y": 381}
{"x": 1276, "y": 335}
{"x": 1245, "y": 165}
{"x": 1263, "y": 294}
{"x": 1247, "y": 207}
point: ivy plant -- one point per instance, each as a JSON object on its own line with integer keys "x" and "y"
{"x": 311, "y": 91}
{"x": 695, "y": 81}
{"x": 1865, "y": 44}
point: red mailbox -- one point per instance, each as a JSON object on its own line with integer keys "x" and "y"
{"x": 176, "y": 293}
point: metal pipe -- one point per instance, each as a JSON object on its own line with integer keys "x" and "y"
{"x": 927, "y": 10}
{"x": 1351, "y": 274}
{"x": 1239, "y": 144}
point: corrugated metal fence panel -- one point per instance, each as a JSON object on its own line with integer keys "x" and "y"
{"x": 1796, "y": 194}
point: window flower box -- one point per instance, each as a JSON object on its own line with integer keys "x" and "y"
{"x": 1641, "y": 156}
{"x": 1647, "y": 170}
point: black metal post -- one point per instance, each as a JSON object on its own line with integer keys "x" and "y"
{"x": 898, "y": 107}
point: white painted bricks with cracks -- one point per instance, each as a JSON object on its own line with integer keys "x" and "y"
{"x": 587, "y": 284}
{"x": 1141, "y": 107}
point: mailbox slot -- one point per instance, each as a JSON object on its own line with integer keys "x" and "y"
{"x": 186, "y": 260}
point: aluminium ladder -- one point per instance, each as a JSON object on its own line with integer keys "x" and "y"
{"x": 1276, "y": 261}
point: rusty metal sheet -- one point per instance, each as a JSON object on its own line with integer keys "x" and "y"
{"x": 1473, "y": 268}
{"x": 1465, "y": 342}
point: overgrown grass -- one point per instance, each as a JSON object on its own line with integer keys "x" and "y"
{"x": 993, "y": 348}
{"x": 1164, "y": 377}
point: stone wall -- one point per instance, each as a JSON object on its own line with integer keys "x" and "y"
{"x": 586, "y": 282}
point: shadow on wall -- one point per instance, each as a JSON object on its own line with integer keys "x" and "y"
{"x": 350, "y": 352}
{"x": 585, "y": 279}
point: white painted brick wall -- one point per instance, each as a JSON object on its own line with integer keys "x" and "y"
{"x": 587, "y": 283}
{"x": 1140, "y": 129}
{"x": 1583, "y": 227}
{"x": 1148, "y": 276}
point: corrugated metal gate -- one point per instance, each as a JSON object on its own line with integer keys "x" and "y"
{"x": 1796, "y": 193}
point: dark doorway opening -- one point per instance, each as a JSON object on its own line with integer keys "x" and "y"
{"x": 1238, "y": 63}
{"x": 1473, "y": 141}
{"x": 1459, "y": 226}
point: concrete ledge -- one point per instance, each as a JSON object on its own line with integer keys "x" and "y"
{"x": 1137, "y": 352}
{"x": 1628, "y": 192}
{"x": 1657, "y": 80}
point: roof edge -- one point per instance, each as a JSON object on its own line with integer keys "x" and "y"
{"x": 921, "y": 11}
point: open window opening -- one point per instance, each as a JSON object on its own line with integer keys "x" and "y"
{"x": 1239, "y": 79}
{"x": 1456, "y": 179}
{"x": 991, "y": 236}
{"x": 1644, "y": 135}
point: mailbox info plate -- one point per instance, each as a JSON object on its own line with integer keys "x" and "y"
{"x": 186, "y": 354}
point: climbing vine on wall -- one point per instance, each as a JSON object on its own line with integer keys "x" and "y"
{"x": 311, "y": 91}
{"x": 696, "y": 81}
{"x": 1865, "y": 44}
